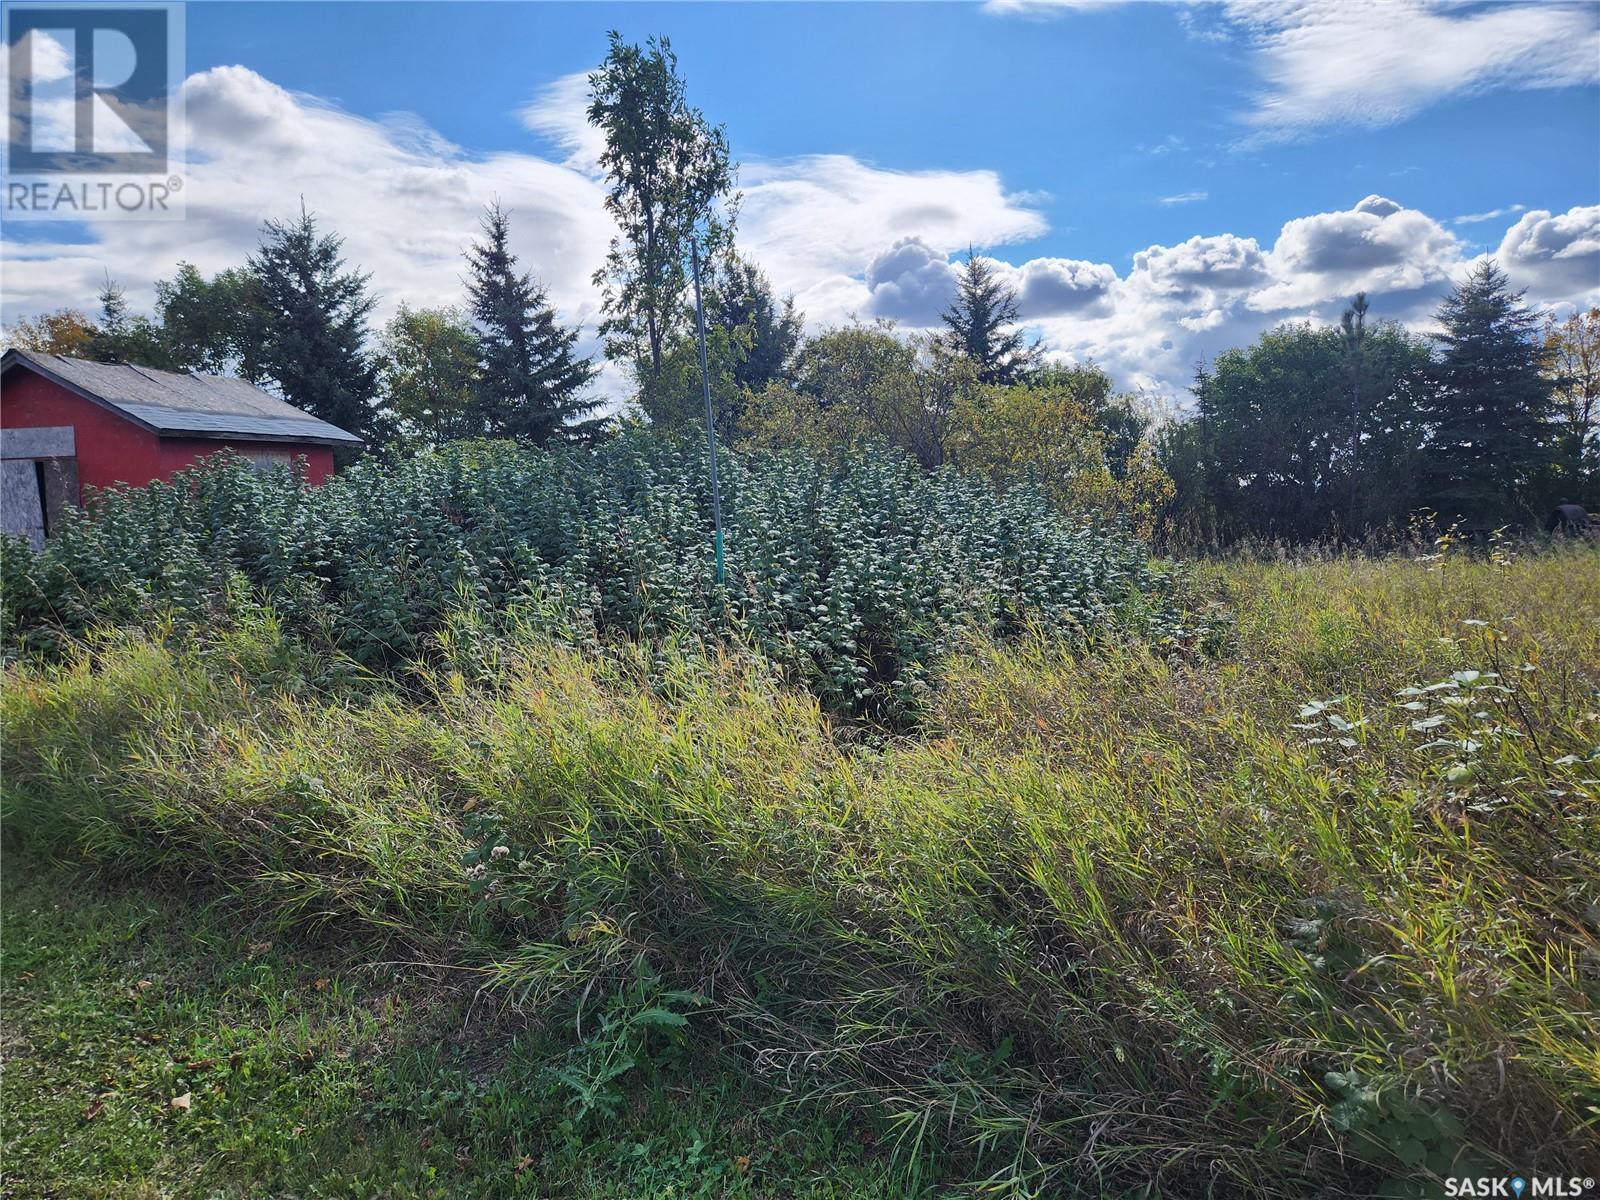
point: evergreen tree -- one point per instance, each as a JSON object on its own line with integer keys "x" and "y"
{"x": 121, "y": 336}
{"x": 981, "y": 321}
{"x": 113, "y": 311}
{"x": 529, "y": 379}
{"x": 315, "y": 326}
{"x": 765, "y": 330}
{"x": 1489, "y": 412}
{"x": 751, "y": 340}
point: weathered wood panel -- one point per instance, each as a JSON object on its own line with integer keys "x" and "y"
{"x": 21, "y": 505}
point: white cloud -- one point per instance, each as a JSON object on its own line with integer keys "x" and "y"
{"x": 1183, "y": 303}
{"x": 1494, "y": 214}
{"x": 1048, "y": 287}
{"x": 846, "y": 236}
{"x": 816, "y": 222}
{"x": 407, "y": 202}
{"x": 1382, "y": 61}
{"x": 910, "y": 282}
{"x": 1221, "y": 263}
{"x": 52, "y": 106}
{"x": 1185, "y": 198}
{"x": 1377, "y": 246}
{"x": 1044, "y": 8}
{"x": 560, "y": 113}
{"x": 1379, "y": 62}
{"x": 1171, "y": 144}
{"x": 1556, "y": 257}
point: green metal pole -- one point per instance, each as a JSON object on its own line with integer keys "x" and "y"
{"x": 711, "y": 430}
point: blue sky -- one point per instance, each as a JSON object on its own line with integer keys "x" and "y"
{"x": 1161, "y": 180}
{"x": 1069, "y": 105}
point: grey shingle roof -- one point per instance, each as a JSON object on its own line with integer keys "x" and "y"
{"x": 203, "y": 406}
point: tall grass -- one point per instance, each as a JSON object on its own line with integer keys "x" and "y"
{"x": 1320, "y": 915}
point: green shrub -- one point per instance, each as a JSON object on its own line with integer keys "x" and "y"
{"x": 857, "y": 576}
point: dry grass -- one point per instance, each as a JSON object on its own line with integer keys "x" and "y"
{"x": 1263, "y": 924}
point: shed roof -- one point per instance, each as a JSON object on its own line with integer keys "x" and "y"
{"x": 192, "y": 405}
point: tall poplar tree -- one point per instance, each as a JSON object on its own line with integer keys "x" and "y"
{"x": 670, "y": 180}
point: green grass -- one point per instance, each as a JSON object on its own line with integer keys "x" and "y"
{"x": 311, "y": 1076}
{"x": 1316, "y": 911}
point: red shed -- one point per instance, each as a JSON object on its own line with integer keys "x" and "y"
{"x": 67, "y": 422}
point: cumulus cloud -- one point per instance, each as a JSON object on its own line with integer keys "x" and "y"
{"x": 845, "y": 236}
{"x": 407, "y": 202}
{"x": 1180, "y": 304}
{"x": 1223, "y": 263}
{"x": 816, "y": 222}
{"x": 1048, "y": 287}
{"x": 911, "y": 282}
{"x": 1377, "y": 246}
{"x": 1557, "y": 257}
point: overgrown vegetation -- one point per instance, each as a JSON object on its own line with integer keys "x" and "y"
{"x": 159, "y": 1044}
{"x": 950, "y": 845}
{"x": 1318, "y": 914}
{"x": 857, "y": 576}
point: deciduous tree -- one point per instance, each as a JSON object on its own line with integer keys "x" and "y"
{"x": 217, "y": 326}
{"x": 670, "y": 179}
{"x": 428, "y": 371}
{"x": 66, "y": 331}
{"x": 1572, "y": 350}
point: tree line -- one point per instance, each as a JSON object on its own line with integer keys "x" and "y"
{"x": 1316, "y": 431}
{"x": 294, "y": 317}
{"x": 1310, "y": 432}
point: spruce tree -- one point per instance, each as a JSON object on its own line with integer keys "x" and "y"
{"x": 122, "y": 337}
{"x": 314, "y": 325}
{"x": 1488, "y": 416}
{"x": 765, "y": 329}
{"x": 529, "y": 379}
{"x": 981, "y": 324}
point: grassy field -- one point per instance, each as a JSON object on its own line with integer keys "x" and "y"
{"x": 1311, "y": 908}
